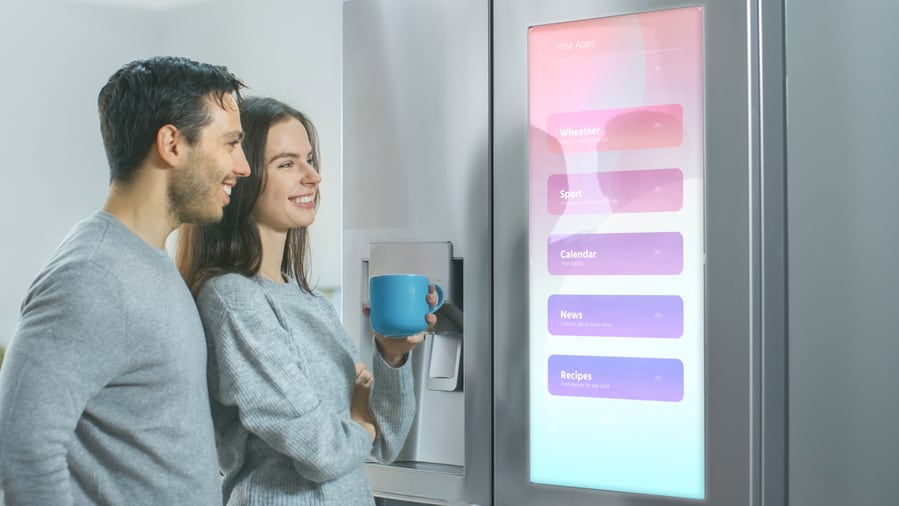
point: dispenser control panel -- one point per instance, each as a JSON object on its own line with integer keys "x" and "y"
{"x": 616, "y": 253}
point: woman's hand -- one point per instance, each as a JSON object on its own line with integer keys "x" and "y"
{"x": 395, "y": 350}
{"x": 364, "y": 377}
{"x": 359, "y": 411}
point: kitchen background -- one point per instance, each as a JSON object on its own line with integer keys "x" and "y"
{"x": 841, "y": 108}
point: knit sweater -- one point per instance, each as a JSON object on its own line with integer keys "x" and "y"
{"x": 103, "y": 395}
{"x": 281, "y": 376}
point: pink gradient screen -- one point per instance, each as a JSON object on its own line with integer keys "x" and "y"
{"x": 616, "y": 253}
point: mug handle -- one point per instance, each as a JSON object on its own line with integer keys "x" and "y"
{"x": 439, "y": 291}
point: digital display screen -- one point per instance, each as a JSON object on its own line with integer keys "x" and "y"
{"x": 616, "y": 253}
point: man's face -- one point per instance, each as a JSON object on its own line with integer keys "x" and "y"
{"x": 199, "y": 190}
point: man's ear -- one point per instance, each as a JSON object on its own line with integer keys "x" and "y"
{"x": 168, "y": 144}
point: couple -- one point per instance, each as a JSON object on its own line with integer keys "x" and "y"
{"x": 105, "y": 392}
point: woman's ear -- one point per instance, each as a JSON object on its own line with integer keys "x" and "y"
{"x": 168, "y": 144}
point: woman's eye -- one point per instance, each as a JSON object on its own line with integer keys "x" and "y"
{"x": 311, "y": 161}
{"x": 286, "y": 165}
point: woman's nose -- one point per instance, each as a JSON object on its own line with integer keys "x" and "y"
{"x": 311, "y": 176}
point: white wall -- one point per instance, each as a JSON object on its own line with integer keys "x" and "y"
{"x": 56, "y": 55}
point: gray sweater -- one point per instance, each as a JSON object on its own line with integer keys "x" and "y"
{"x": 103, "y": 395}
{"x": 281, "y": 374}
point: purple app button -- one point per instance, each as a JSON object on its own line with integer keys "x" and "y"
{"x": 629, "y": 191}
{"x": 645, "y": 127}
{"x": 646, "y": 379}
{"x": 616, "y": 315}
{"x": 616, "y": 254}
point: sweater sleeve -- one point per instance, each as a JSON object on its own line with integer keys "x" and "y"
{"x": 392, "y": 403}
{"x": 68, "y": 345}
{"x": 273, "y": 394}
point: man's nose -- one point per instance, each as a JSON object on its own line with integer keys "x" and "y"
{"x": 241, "y": 165}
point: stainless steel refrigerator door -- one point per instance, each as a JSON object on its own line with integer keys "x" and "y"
{"x": 743, "y": 297}
{"x": 416, "y": 169}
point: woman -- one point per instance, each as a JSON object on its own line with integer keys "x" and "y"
{"x": 296, "y": 412}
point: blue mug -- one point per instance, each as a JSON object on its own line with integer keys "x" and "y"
{"x": 398, "y": 303}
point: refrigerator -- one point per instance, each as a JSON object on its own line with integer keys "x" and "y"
{"x": 599, "y": 184}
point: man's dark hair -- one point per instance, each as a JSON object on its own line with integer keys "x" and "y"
{"x": 145, "y": 95}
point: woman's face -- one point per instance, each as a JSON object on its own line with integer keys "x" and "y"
{"x": 288, "y": 197}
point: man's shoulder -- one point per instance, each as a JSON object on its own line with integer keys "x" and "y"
{"x": 88, "y": 256}
{"x": 74, "y": 269}
{"x": 98, "y": 239}
{"x": 82, "y": 240}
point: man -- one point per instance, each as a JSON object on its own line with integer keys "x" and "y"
{"x": 103, "y": 395}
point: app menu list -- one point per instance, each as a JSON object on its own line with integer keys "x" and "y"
{"x": 659, "y": 251}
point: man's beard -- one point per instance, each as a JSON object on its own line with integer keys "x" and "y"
{"x": 192, "y": 193}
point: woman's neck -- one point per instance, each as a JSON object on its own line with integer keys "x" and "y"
{"x": 272, "y": 253}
